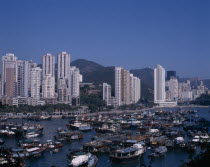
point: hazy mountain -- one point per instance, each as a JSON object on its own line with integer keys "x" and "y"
{"x": 86, "y": 66}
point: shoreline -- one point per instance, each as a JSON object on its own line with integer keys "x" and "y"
{"x": 77, "y": 114}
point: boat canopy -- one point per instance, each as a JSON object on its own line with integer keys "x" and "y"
{"x": 32, "y": 149}
{"x": 127, "y": 150}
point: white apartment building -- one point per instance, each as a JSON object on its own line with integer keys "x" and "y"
{"x": 31, "y": 65}
{"x": 159, "y": 84}
{"x": 107, "y": 94}
{"x": 185, "y": 91}
{"x": 22, "y": 79}
{"x": 36, "y": 82}
{"x": 118, "y": 78}
{"x": 172, "y": 89}
{"x": 48, "y": 76}
{"x": 63, "y": 65}
{"x": 74, "y": 82}
{"x": 48, "y": 65}
{"x": 137, "y": 89}
{"x": 63, "y": 86}
{"x": 63, "y": 94}
{"x": 48, "y": 87}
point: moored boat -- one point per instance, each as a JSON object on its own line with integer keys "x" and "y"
{"x": 127, "y": 155}
{"x": 84, "y": 160}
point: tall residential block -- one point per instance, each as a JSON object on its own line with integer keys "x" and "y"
{"x": 31, "y": 65}
{"x": 159, "y": 84}
{"x": 63, "y": 65}
{"x": 74, "y": 84}
{"x": 48, "y": 87}
{"x": 48, "y": 65}
{"x": 127, "y": 87}
{"x": 118, "y": 83}
{"x": 36, "y": 82}
{"x": 75, "y": 78}
{"x": 63, "y": 94}
{"x": 137, "y": 90}
{"x": 172, "y": 89}
{"x": 48, "y": 76}
{"x": 9, "y": 75}
{"x": 23, "y": 79}
{"x": 107, "y": 94}
{"x": 185, "y": 91}
{"x": 63, "y": 87}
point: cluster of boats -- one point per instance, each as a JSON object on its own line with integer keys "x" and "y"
{"x": 66, "y": 135}
{"x": 125, "y": 137}
{"x": 8, "y": 129}
{"x": 28, "y": 149}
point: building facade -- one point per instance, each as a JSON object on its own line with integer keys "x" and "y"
{"x": 172, "y": 87}
{"x": 159, "y": 84}
{"x": 63, "y": 87}
{"x": 9, "y": 75}
{"x": 118, "y": 78}
{"x": 75, "y": 78}
{"x": 31, "y": 65}
{"x": 36, "y": 82}
{"x": 48, "y": 76}
{"x": 127, "y": 87}
{"x": 48, "y": 87}
{"x": 48, "y": 65}
{"x": 107, "y": 94}
{"x": 22, "y": 79}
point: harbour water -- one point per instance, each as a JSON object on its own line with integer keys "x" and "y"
{"x": 173, "y": 158}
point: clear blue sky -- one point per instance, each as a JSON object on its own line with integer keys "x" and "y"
{"x": 129, "y": 33}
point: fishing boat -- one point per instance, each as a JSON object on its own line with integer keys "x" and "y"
{"x": 68, "y": 135}
{"x": 107, "y": 129}
{"x": 7, "y": 133}
{"x": 53, "y": 145}
{"x": 29, "y": 143}
{"x": 32, "y": 134}
{"x": 85, "y": 128}
{"x": 161, "y": 150}
{"x": 45, "y": 117}
{"x": 127, "y": 155}
{"x": 83, "y": 160}
{"x": 180, "y": 142}
{"x": 74, "y": 126}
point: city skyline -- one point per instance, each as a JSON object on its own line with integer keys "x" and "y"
{"x": 133, "y": 35}
{"x": 55, "y": 54}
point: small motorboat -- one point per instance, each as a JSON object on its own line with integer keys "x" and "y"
{"x": 85, "y": 160}
{"x": 32, "y": 134}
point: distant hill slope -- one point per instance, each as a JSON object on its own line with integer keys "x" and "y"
{"x": 86, "y": 66}
{"x": 96, "y": 73}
